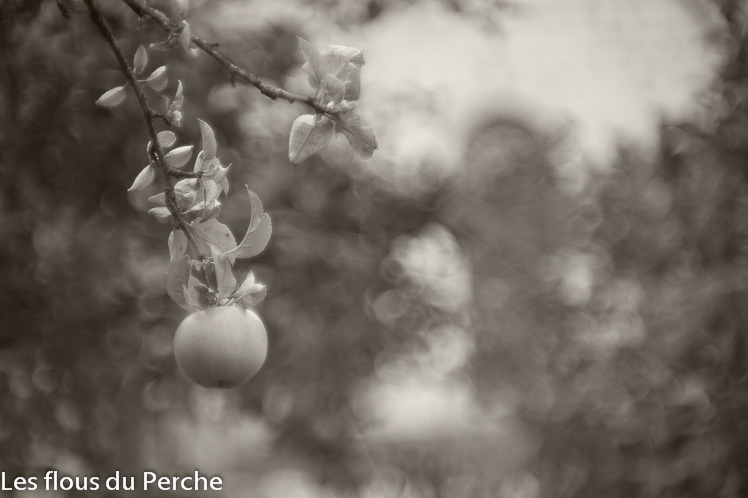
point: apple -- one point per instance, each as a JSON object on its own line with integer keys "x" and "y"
{"x": 222, "y": 346}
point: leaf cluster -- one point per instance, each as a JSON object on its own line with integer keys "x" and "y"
{"x": 203, "y": 250}
{"x": 335, "y": 72}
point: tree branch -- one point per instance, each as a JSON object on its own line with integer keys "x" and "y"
{"x": 235, "y": 71}
{"x": 149, "y": 114}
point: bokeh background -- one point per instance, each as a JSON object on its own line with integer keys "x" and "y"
{"x": 536, "y": 288}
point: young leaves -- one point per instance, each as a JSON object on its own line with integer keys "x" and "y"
{"x": 308, "y": 135}
{"x": 258, "y": 232}
{"x": 249, "y": 293}
{"x": 335, "y": 72}
{"x": 112, "y": 97}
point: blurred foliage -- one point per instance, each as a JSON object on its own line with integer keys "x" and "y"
{"x": 487, "y": 333}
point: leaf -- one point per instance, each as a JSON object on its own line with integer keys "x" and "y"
{"x": 210, "y": 212}
{"x": 333, "y": 87}
{"x": 225, "y": 280}
{"x": 207, "y": 195}
{"x": 213, "y": 232}
{"x": 177, "y": 244}
{"x": 176, "y": 280}
{"x": 185, "y": 37}
{"x": 112, "y": 97}
{"x": 316, "y": 66}
{"x": 349, "y": 54}
{"x": 249, "y": 293}
{"x": 185, "y": 191}
{"x": 308, "y": 135}
{"x": 141, "y": 60}
{"x": 255, "y": 205}
{"x": 345, "y": 63}
{"x": 201, "y": 295}
{"x": 359, "y": 133}
{"x": 258, "y": 233}
{"x": 198, "y": 162}
{"x": 144, "y": 178}
{"x": 178, "y": 157}
{"x": 253, "y": 298}
{"x": 209, "y": 141}
{"x": 166, "y": 138}
{"x": 351, "y": 76}
{"x": 161, "y": 214}
{"x": 176, "y": 118}
{"x": 178, "y": 97}
{"x": 158, "y": 79}
{"x": 158, "y": 199}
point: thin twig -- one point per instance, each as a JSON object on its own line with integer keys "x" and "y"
{"x": 235, "y": 71}
{"x": 158, "y": 157}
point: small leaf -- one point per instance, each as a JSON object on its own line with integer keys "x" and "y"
{"x": 258, "y": 233}
{"x": 185, "y": 37}
{"x": 316, "y": 66}
{"x": 212, "y": 232}
{"x": 166, "y": 138}
{"x": 198, "y": 162}
{"x": 350, "y": 74}
{"x": 209, "y": 141}
{"x": 185, "y": 191}
{"x": 248, "y": 288}
{"x": 202, "y": 295}
{"x": 179, "y": 156}
{"x": 141, "y": 60}
{"x": 345, "y": 63}
{"x": 333, "y": 87}
{"x": 177, "y": 279}
{"x": 210, "y": 212}
{"x": 176, "y": 118}
{"x": 224, "y": 276}
{"x": 257, "y": 212}
{"x": 254, "y": 298}
{"x": 177, "y": 244}
{"x": 349, "y": 54}
{"x": 225, "y": 185}
{"x": 207, "y": 195}
{"x": 161, "y": 214}
{"x": 144, "y": 178}
{"x": 112, "y": 97}
{"x": 158, "y": 199}
{"x": 308, "y": 136}
{"x": 359, "y": 133}
{"x": 178, "y": 97}
{"x": 158, "y": 79}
